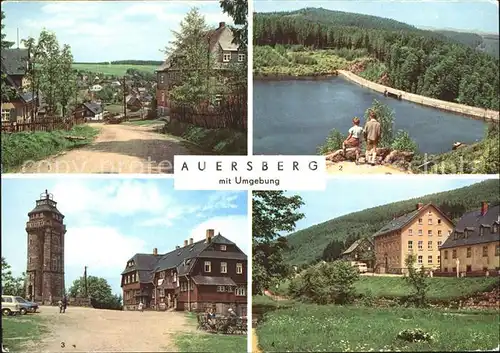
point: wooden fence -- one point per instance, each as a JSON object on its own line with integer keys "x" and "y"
{"x": 47, "y": 124}
{"x": 230, "y": 112}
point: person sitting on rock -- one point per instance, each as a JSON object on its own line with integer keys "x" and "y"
{"x": 353, "y": 140}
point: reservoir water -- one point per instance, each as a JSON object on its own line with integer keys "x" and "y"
{"x": 294, "y": 117}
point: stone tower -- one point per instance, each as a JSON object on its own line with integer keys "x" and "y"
{"x": 45, "y": 271}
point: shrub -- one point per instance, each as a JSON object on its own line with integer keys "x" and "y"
{"x": 417, "y": 278}
{"x": 304, "y": 59}
{"x": 333, "y": 142}
{"x": 403, "y": 142}
{"x": 326, "y": 283}
{"x": 416, "y": 335}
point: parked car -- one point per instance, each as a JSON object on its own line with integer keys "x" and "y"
{"x": 360, "y": 266}
{"x": 26, "y": 305}
{"x": 10, "y": 306}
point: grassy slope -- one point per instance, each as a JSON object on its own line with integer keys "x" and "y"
{"x": 309, "y": 243}
{"x": 218, "y": 141}
{"x": 268, "y": 62}
{"x": 114, "y": 69}
{"x": 336, "y": 328}
{"x": 21, "y": 147}
{"x": 440, "y": 288}
{"x": 18, "y": 329}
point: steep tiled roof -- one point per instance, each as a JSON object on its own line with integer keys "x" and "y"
{"x": 473, "y": 221}
{"x": 93, "y": 107}
{"x": 354, "y": 245}
{"x": 14, "y": 61}
{"x": 183, "y": 259}
{"x": 401, "y": 221}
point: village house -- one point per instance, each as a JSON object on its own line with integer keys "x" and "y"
{"x": 133, "y": 102}
{"x": 89, "y": 111}
{"x": 420, "y": 233}
{"x": 474, "y": 245}
{"x": 208, "y": 273}
{"x": 20, "y": 107}
{"x": 361, "y": 250}
{"x": 219, "y": 44}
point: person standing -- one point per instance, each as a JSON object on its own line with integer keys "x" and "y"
{"x": 353, "y": 140}
{"x": 373, "y": 133}
{"x": 64, "y": 304}
{"x": 141, "y": 307}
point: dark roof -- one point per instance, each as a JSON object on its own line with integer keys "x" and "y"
{"x": 401, "y": 221}
{"x": 14, "y": 61}
{"x": 27, "y": 96}
{"x": 213, "y": 281}
{"x": 354, "y": 245}
{"x": 46, "y": 208}
{"x": 473, "y": 221}
{"x": 95, "y": 108}
{"x": 183, "y": 259}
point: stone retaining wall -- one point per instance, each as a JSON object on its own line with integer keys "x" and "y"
{"x": 485, "y": 114}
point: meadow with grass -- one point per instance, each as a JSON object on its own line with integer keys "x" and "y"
{"x": 113, "y": 69}
{"x": 320, "y": 328}
{"x": 18, "y": 330}
{"x": 20, "y": 147}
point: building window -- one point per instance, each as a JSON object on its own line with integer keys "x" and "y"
{"x": 481, "y": 231}
{"x": 440, "y": 233}
{"x": 439, "y": 259}
{"x": 485, "y": 251}
{"x": 229, "y": 289}
{"x": 454, "y": 254}
{"x": 494, "y": 229}
{"x": 445, "y": 269}
{"x": 162, "y": 78}
{"x": 420, "y": 221}
{"x": 239, "y": 268}
{"x": 226, "y": 57}
{"x": 175, "y": 277}
{"x": 420, "y": 259}
{"x": 241, "y": 291}
{"x": 453, "y": 269}
{"x": 429, "y": 259}
{"x": 162, "y": 274}
{"x": 429, "y": 232}
{"x": 241, "y": 57}
{"x": 223, "y": 267}
{"x": 429, "y": 221}
{"x": 208, "y": 266}
{"x": 420, "y": 245}
{"x": 223, "y": 248}
{"x": 439, "y": 221}
{"x": 468, "y": 268}
{"x": 420, "y": 232}
{"x": 469, "y": 252}
{"x": 410, "y": 245}
{"x": 429, "y": 245}
{"x": 497, "y": 250}
{"x": 410, "y": 231}
{"x": 221, "y": 289}
{"x": 163, "y": 97}
{"x": 439, "y": 244}
{"x": 5, "y": 115}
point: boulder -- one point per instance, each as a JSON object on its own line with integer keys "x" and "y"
{"x": 398, "y": 157}
{"x": 383, "y": 152}
{"x": 339, "y": 155}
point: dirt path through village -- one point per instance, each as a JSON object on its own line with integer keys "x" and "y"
{"x": 118, "y": 149}
{"x": 92, "y": 330}
{"x": 352, "y": 168}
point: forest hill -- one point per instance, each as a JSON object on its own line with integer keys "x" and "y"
{"x": 413, "y": 60}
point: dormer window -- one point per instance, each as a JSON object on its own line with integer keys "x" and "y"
{"x": 494, "y": 229}
{"x": 223, "y": 248}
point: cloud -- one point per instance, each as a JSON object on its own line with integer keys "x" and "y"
{"x": 234, "y": 228}
{"x": 103, "y": 249}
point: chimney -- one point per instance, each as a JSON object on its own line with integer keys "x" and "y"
{"x": 177, "y": 247}
{"x": 484, "y": 208}
{"x": 185, "y": 243}
{"x": 420, "y": 205}
{"x": 190, "y": 241}
{"x": 155, "y": 251}
{"x": 222, "y": 24}
{"x": 209, "y": 235}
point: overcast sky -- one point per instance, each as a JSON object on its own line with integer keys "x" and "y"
{"x": 476, "y": 15}
{"x": 108, "y": 30}
{"x": 109, "y": 220}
